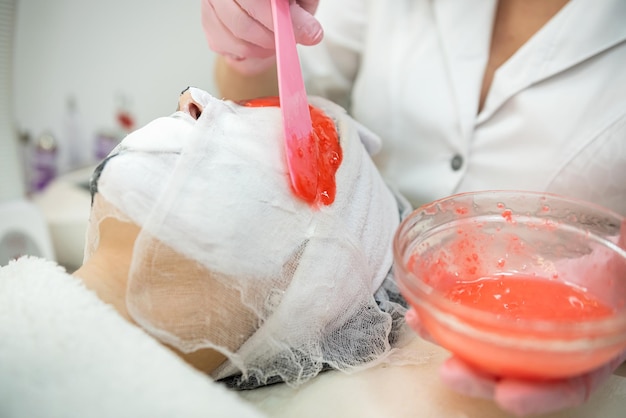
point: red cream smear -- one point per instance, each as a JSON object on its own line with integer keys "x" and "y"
{"x": 329, "y": 152}
{"x": 523, "y": 297}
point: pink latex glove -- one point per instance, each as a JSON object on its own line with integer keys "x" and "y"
{"x": 242, "y": 30}
{"x": 526, "y": 397}
{"x": 517, "y": 396}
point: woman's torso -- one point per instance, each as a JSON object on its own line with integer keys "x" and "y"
{"x": 554, "y": 118}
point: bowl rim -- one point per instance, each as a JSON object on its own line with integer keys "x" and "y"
{"x": 408, "y": 282}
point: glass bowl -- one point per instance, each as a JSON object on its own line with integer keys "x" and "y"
{"x": 515, "y": 283}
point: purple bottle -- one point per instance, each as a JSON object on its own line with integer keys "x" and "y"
{"x": 44, "y": 162}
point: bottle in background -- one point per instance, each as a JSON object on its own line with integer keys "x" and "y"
{"x": 73, "y": 150}
{"x": 25, "y": 141}
{"x": 43, "y": 162}
{"x": 124, "y": 117}
{"x": 107, "y": 139}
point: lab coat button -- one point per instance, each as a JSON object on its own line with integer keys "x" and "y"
{"x": 457, "y": 162}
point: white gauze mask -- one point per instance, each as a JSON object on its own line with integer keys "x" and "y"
{"x": 228, "y": 258}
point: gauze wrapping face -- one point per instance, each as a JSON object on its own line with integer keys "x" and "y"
{"x": 229, "y": 259}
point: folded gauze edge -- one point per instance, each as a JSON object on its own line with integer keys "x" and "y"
{"x": 225, "y": 245}
{"x": 65, "y": 353}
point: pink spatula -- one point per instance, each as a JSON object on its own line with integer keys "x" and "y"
{"x": 299, "y": 139}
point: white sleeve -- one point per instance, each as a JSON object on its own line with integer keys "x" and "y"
{"x": 331, "y": 67}
{"x": 595, "y": 170}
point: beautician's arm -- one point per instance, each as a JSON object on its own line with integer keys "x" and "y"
{"x": 234, "y": 85}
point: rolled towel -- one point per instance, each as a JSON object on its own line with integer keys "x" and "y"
{"x": 64, "y": 353}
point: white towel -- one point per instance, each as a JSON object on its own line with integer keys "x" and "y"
{"x": 64, "y": 353}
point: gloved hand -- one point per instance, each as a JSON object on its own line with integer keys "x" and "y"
{"x": 517, "y": 396}
{"x": 242, "y": 30}
{"x": 526, "y": 397}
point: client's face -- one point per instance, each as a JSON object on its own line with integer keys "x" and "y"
{"x": 222, "y": 247}
{"x": 207, "y": 192}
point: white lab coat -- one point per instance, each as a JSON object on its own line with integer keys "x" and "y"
{"x": 411, "y": 70}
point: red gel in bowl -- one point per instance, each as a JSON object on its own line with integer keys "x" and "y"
{"x": 515, "y": 283}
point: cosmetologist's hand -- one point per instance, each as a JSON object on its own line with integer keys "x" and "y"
{"x": 517, "y": 396}
{"x": 242, "y": 30}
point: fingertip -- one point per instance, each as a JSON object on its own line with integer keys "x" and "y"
{"x": 307, "y": 29}
{"x": 312, "y": 35}
{"x": 410, "y": 315}
{"x": 412, "y": 319}
{"x": 461, "y": 378}
{"x": 523, "y": 398}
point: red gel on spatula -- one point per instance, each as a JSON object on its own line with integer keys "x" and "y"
{"x": 300, "y": 142}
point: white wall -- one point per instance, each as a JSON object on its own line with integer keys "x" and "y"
{"x": 95, "y": 50}
{"x": 10, "y": 188}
